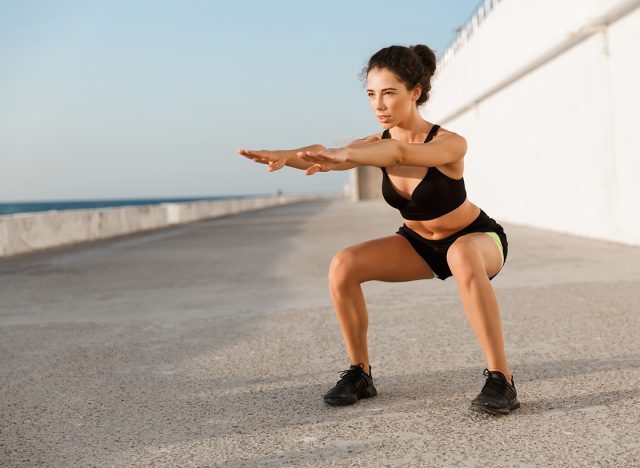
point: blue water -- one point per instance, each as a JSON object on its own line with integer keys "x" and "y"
{"x": 27, "y": 207}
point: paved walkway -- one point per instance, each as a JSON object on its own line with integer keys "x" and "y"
{"x": 211, "y": 344}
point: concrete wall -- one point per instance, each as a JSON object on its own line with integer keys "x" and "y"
{"x": 26, "y": 232}
{"x": 366, "y": 183}
{"x": 546, "y": 94}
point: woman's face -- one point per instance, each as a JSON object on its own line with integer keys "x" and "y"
{"x": 389, "y": 98}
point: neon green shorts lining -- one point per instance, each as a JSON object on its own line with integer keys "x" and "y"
{"x": 497, "y": 239}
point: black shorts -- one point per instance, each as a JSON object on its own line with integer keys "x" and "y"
{"x": 434, "y": 252}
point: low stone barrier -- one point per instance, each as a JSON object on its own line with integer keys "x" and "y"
{"x": 26, "y": 232}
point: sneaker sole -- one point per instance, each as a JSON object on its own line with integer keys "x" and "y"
{"x": 487, "y": 409}
{"x": 339, "y": 402}
{"x": 333, "y": 402}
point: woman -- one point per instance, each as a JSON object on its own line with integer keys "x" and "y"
{"x": 444, "y": 234}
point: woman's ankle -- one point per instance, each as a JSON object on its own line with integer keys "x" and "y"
{"x": 366, "y": 367}
{"x": 507, "y": 375}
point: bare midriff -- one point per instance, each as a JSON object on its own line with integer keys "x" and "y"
{"x": 447, "y": 224}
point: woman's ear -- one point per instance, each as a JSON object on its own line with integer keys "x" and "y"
{"x": 416, "y": 92}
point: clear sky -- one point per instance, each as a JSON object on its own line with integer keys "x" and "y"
{"x": 150, "y": 98}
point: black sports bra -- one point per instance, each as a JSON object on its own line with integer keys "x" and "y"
{"x": 436, "y": 194}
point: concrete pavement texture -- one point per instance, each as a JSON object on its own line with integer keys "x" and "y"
{"x": 212, "y": 343}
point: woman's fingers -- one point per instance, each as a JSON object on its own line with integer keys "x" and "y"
{"x": 307, "y": 155}
{"x": 259, "y": 160}
{"x": 250, "y": 154}
{"x": 246, "y": 153}
{"x": 275, "y": 161}
{"x": 311, "y": 170}
{"x": 254, "y": 156}
{"x": 275, "y": 165}
{"x": 313, "y": 156}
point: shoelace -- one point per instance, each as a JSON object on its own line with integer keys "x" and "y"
{"x": 493, "y": 381}
{"x": 497, "y": 384}
{"x": 353, "y": 375}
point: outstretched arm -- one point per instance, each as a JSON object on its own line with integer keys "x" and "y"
{"x": 384, "y": 153}
{"x": 388, "y": 152}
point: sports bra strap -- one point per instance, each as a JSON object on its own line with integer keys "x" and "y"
{"x": 432, "y": 133}
{"x": 430, "y": 136}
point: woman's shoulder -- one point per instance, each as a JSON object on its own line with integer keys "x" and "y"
{"x": 455, "y": 169}
{"x": 451, "y": 136}
{"x": 443, "y": 132}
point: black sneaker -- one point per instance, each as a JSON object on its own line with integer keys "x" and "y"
{"x": 353, "y": 385}
{"x": 497, "y": 396}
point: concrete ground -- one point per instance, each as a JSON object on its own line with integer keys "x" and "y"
{"x": 211, "y": 344}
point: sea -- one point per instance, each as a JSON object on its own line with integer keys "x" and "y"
{"x": 35, "y": 206}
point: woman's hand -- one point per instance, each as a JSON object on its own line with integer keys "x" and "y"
{"x": 275, "y": 159}
{"x": 323, "y": 160}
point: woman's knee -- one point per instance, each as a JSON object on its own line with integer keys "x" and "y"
{"x": 464, "y": 259}
{"x": 343, "y": 268}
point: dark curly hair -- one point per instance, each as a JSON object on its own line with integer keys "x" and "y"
{"x": 412, "y": 65}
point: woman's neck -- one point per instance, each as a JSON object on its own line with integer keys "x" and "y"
{"x": 411, "y": 130}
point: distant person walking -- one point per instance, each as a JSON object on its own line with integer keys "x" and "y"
{"x": 444, "y": 234}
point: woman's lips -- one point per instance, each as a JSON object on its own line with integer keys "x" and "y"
{"x": 383, "y": 117}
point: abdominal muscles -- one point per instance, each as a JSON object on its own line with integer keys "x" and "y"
{"x": 447, "y": 224}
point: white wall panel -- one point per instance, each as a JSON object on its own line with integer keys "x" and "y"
{"x": 558, "y": 147}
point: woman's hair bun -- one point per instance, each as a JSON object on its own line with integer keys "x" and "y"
{"x": 427, "y": 57}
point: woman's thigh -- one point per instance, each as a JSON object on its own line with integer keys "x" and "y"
{"x": 471, "y": 246}
{"x": 390, "y": 259}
